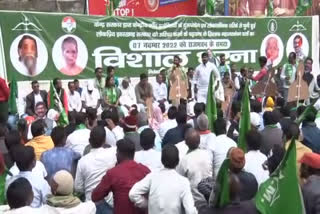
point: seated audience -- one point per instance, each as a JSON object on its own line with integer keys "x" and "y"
{"x": 67, "y": 158}
{"x": 206, "y": 136}
{"x": 26, "y": 160}
{"x": 74, "y": 99}
{"x": 148, "y": 156}
{"x": 293, "y": 131}
{"x": 20, "y": 196}
{"x": 143, "y": 123}
{"x": 128, "y": 97}
{"x": 143, "y": 91}
{"x": 176, "y": 135}
{"x": 152, "y": 192}
{"x": 310, "y": 172}
{"x": 41, "y": 113}
{"x": 94, "y": 165}
{"x": 35, "y": 97}
{"x": 120, "y": 179}
{"x": 130, "y": 131}
{"x": 196, "y": 165}
{"x": 310, "y": 132}
{"x": 79, "y": 139}
{"x": 40, "y": 142}
{"x": 170, "y": 123}
{"x": 62, "y": 198}
{"x": 254, "y": 158}
{"x": 90, "y": 96}
{"x": 221, "y": 145}
{"x": 271, "y": 134}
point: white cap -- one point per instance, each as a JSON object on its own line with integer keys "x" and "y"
{"x": 255, "y": 119}
{"x": 90, "y": 85}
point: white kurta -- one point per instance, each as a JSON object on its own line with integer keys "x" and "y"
{"x": 202, "y": 77}
{"x": 254, "y": 162}
{"x": 168, "y": 193}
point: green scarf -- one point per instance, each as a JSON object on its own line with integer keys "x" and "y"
{"x": 81, "y": 126}
{"x": 272, "y": 126}
{"x": 289, "y": 70}
{"x": 111, "y": 94}
{"x": 68, "y": 201}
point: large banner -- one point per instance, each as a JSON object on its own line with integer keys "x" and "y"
{"x": 43, "y": 46}
{"x": 142, "y": 8}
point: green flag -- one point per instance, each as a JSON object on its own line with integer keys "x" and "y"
{"x": 55, "y": 103}
{"x": 13, "y": 96}
{"x": 223, "y": 193}
{"x": 281, "y": 192}
{"x": 309, "y": 110}
{"x": 111, "y": 5}
{"x": 302, "y": 7}
{"x": 210, "y": 7}
{"x": 245, "y": 124}
{"x": 211, "y": 108}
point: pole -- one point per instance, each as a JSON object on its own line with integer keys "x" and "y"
{"x": 226, "y": 7}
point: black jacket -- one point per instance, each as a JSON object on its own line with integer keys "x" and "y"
{"x": 30, "y": 105}
{"x": 311, "y": 195}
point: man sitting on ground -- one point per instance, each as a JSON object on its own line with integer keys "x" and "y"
{"x": 152, "y": 192}
{"x": 40, "y": 142}
{"x": 67, "y": 158}
{"x": 148, "y": 156}
{"x": 26, "y": 161}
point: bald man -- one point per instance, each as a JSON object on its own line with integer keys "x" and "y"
{"x": 196, "y": 165}
{"x": 272, "y": 49}
{"x": 206, "y": 136}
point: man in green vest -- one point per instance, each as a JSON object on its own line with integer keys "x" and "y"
{"x": 288, "y": 74}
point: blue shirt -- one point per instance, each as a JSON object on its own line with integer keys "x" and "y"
{"x": 59, "y": 158}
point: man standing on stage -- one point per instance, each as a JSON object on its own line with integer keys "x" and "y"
{"x": 178, "y": 82}
{"x": 202, "y": 77}
{"x": 288, "y": 74}
{"x": 223, "y": 68}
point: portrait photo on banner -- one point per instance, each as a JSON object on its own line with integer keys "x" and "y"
{"x": 299, "y": 44}
{"x": 70, "y": 55}
{"x": 28, "y": 55}
{"x": 272, "y": 48}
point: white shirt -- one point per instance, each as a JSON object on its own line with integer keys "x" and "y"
{"x": 314, "y": 88}
{"x": 220, "y": 148}
{"x": 284, "y": 75}
{"x": 37, "y": 98}
{"x": 206, "y": 139}
{"x": 74, "y": 101}
{"x": 91, "y": 100}
{"x": 110, "y": 137}
{"x": 83, "y": 208}
{"x": 160, "y": 91}
{"x": 118, "y": 133}
{"x": 196, "y": 166}
{"x": 40, "y": 187}
{"x": 78, "y": 140}
{"x": 254, "y": 162}
{"x": 38, "y": 170}
{"x": 30, "y": 210}
{"x": 91, "y": 168}
{"x": 150, "y": 158}
{"x": 128, "y": 97}
{"x": 202, "y": 75}
{"x": 165, "y": 126}
{"x": 182, "y": 148}
{"x": 168, "y": 193}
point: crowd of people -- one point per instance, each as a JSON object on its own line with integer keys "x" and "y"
{"x": 149, "y": 148}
